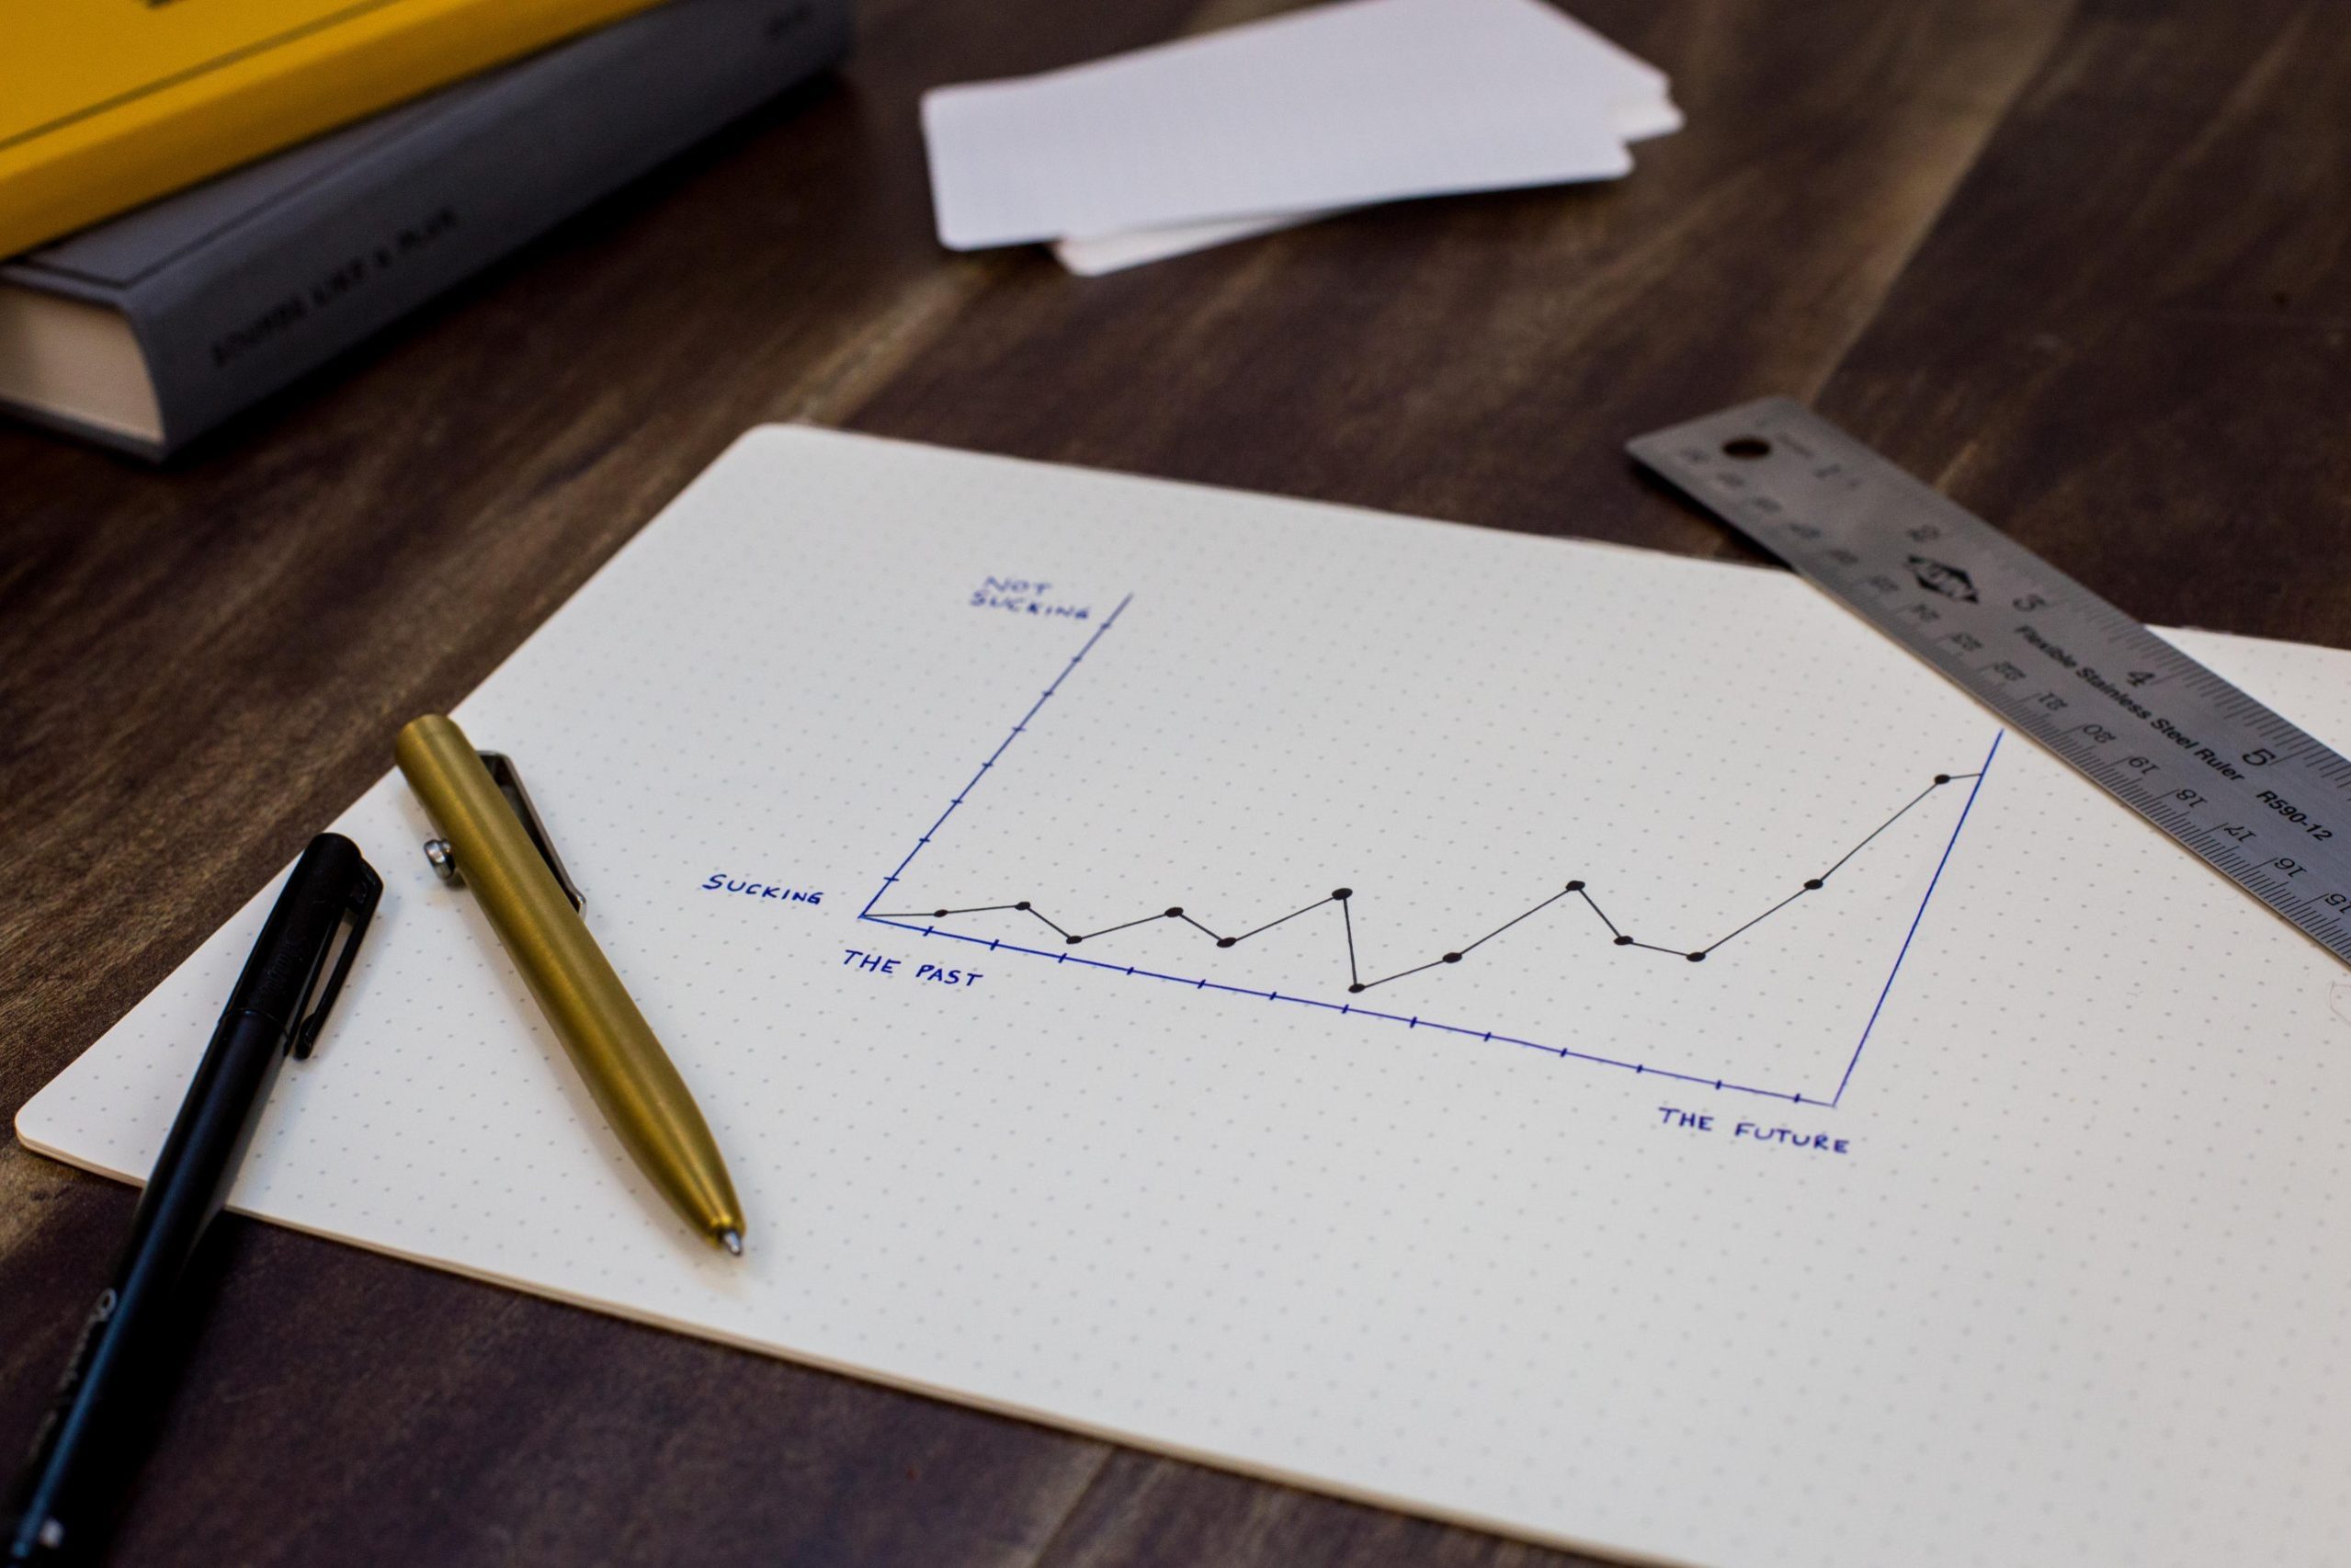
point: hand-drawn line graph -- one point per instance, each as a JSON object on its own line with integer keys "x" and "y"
{"x": 1344, "y": 899}
{"x": 924, "y": 922}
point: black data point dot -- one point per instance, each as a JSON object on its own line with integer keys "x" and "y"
{"x": 1452, "y": 958}
{"x": 1696, "y": 958}
{"x": 1576, "y": 887}
{"x": 939, "y": 913}
{"x": 1226, "y": 942}
{"x": 1624, "y": 941}
{"x": 1022, "y": 905}
{"x": 1942, "y": 779}
{"x": 1355, "y": 990}
{"x": 1813, "y": 885}
{"x": 1073, "y": 941}
{"x": 1342, "y": 893}
{"x": 1177, "y": 913}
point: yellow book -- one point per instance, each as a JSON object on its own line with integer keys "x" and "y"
{"x": 105, "y": 104}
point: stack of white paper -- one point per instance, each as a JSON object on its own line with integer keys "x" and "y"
{"x": 1192, "y": 144}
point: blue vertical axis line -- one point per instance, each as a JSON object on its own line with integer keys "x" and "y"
{"x": 1562, "y": 1052}
{"x": 1017, "y": 729}
{"x": 1932, "y": 882}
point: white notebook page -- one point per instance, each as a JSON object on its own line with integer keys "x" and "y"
{"x": 2045, "y": 1264}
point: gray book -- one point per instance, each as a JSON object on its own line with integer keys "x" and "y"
{"x": 153, "y": 327}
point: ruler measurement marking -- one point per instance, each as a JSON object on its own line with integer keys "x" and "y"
{"x": 2234, "y": 783}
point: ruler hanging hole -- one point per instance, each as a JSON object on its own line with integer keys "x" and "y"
{"x": 1852, "y": 523}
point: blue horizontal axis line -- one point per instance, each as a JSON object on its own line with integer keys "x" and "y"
{"x": 1564, "y": 1052}
{"x": 1345, "y": 898}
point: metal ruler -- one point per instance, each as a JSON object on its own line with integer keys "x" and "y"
{"x": 2232, "y": 782}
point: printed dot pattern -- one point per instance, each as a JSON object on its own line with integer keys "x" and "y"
{"x": 2076, "y": 1294}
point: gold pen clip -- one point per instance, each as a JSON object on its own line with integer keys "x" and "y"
{"x": 443, "y": 855}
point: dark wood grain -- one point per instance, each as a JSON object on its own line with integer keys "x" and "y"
{"x": 2089, "y": 266}
{"x": 2130, "y": 339}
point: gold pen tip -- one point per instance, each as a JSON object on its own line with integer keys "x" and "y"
{"x": 732, "y": 1240}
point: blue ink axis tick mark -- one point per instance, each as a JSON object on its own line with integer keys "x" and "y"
{"x": 1564, "y": 1053}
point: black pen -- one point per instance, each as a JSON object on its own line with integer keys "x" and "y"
{"x": 54, "y": 1513}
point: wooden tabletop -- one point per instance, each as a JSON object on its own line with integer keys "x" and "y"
{"x": 2086, "y": 266}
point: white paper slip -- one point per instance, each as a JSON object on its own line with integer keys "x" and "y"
{"x": 973, "y": 834}
{"x": 1338, "y": 106}
{"x": 1113, "y": 252}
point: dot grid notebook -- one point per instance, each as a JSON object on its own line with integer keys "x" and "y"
{"x": 1584, "y": 1043}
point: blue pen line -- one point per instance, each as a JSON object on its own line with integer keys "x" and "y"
{"x": 1931, "y": 883}
{"x": 1409, "y": 1021}
{"x": 960, "y": 795}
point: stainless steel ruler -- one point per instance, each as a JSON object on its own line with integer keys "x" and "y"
{"x": 2229, "y": 780}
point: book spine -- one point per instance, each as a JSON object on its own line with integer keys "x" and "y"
{"x": 219, "y": 113}
{"x": 278, "y": 297}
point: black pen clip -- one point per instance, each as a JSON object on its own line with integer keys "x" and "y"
{"x": 503, "y": 774}
{"x": 334, "y": 965}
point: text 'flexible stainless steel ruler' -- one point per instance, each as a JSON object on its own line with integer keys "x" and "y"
{"x": 2233, "y": 783}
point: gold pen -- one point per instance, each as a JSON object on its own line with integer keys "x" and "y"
{"x": 492, "y": 840}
